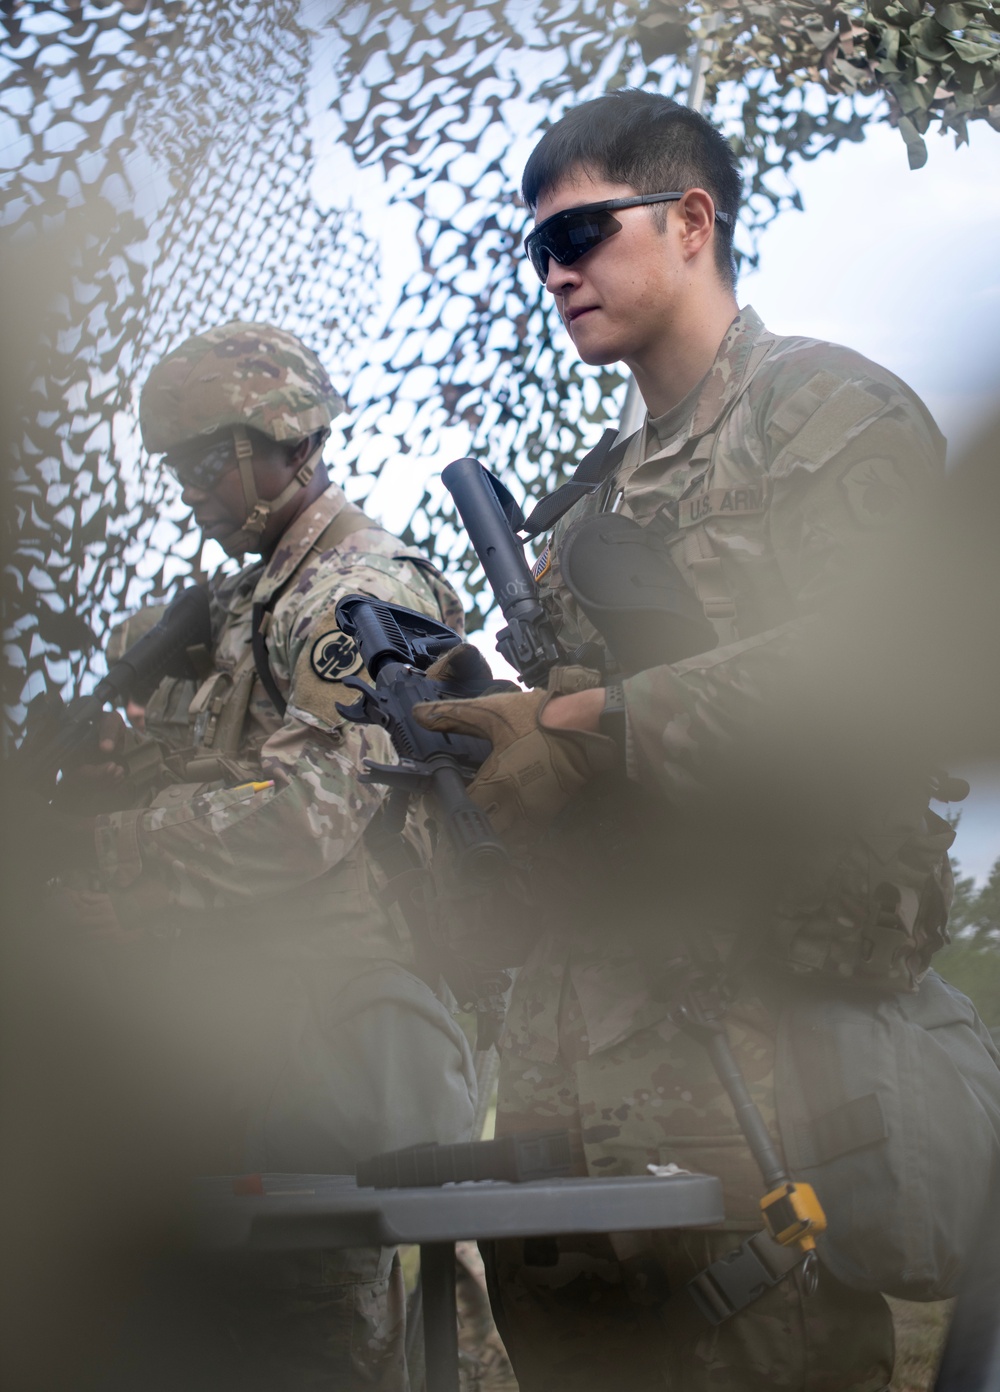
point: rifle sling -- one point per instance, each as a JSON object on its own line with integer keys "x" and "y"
{"x": 594, "y": 469}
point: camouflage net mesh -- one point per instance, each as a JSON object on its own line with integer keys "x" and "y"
{"x": 171, "y": 141}
{"x": 167, "y": 147}
{"x": 437, "y": 94}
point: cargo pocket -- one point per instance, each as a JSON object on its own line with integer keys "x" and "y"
{"x": 891, "y": 1110}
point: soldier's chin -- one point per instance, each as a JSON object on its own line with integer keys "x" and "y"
{"x": 239, "y": 544}
{"x": 234, "y": 543}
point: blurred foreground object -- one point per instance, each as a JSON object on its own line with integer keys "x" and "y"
{"x": 971, "y": 1359}
{"x": 59, "y": 734}
{"x": 920, "y": 643}
{"x": 906, "y": 663}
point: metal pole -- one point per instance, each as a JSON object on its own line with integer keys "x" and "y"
{"x": 487, "y": 1064}
{"x": 634, "y": 408}
{"x": 437, "y": 1277}
{"x": 700, "y": 64}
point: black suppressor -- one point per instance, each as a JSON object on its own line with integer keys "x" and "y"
{"x": 492, "y": 518}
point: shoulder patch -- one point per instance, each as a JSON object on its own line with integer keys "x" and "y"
{"x": 334, "y": 656}
{"x": 827, "y": 428}
{"x": 876, "y": 488}
{"x": 543, "y": 563}
{"x": 793, "y": 413}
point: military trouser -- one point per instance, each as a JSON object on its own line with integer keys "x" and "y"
{"x": 330, "y": 1320}
{"x": 322, "y": 1066}
{"x": 594, "y": 1314}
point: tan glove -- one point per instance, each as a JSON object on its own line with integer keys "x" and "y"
{"x": 533, "y": 771}
{"x": 462, "y": 666}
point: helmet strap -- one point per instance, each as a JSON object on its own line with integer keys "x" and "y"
{"x": 258, "y": 510}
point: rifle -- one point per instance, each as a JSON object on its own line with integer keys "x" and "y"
{"x": 397, "y": 646}
{"x": 59, "y": 732}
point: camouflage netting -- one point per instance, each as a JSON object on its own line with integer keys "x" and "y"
{"x": 170, "y": 140}
{"x": 164, "y": 149}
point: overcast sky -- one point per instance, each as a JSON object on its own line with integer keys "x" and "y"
{"x": 901, "y": 264}
{"x": 904, "y": 266}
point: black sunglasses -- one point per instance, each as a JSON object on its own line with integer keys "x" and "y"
{"x": 201, "y": 466}
{"x": 568, "y": 235}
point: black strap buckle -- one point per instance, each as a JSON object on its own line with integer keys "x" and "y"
{"x": 739, "y": 1278}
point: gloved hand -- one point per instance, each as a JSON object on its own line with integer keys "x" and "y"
{"x": 533, "y": 771}
{"x": 463, "y": 667}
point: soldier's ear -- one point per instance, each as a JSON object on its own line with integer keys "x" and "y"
{"x": 305, "y": 447}
{"x": 301, "y": 452}
{"x": 696, "y": 211}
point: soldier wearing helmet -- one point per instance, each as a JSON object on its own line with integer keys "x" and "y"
{"x": 241, "y": 849}
{"x": 237, "y": 410}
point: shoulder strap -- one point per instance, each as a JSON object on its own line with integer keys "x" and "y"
{"x": 594, "y": 469}
{"x": 348, "y": 520}
{"x": 259, "y": 623}
{"x": 600, "y": 463}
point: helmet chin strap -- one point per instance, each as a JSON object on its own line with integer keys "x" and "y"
{"x": 259, "y": 510}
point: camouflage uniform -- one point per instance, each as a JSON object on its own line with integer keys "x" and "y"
{"x": 763, "y": 483}
{"x": 246, "y": 868}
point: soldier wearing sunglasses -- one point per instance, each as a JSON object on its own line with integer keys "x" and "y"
{"x": 763, "y": 465}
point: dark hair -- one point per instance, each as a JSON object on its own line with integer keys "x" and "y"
{"x": 649, "y": 142}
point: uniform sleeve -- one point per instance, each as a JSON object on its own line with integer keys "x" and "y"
{"x": 305, "y": 811}
{"x": 298, "y": 820}
{"x": 844, "y": 470}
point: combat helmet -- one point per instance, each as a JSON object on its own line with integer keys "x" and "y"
{"x": 236, "y": 376}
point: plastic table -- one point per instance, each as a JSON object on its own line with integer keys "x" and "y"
{"x": 276, "y": 1212}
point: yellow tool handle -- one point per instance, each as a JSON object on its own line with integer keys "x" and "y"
{"x": 793, "y": 1214}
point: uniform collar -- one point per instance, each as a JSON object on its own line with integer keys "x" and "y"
{"x": 744, "y": 341}
{"x": 726, "y": 374}
{"x": 297, "y": 542}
